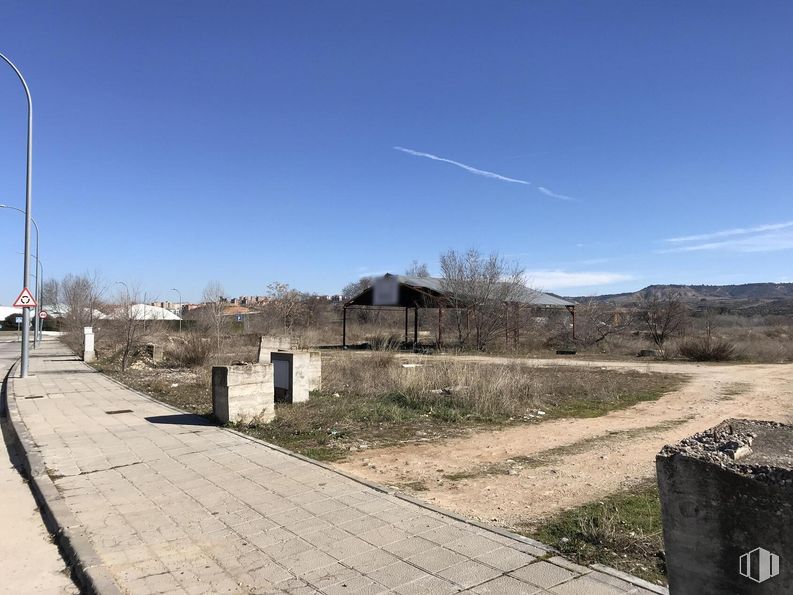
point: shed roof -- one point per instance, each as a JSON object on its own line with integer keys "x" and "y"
{"x": 431, "y": 292}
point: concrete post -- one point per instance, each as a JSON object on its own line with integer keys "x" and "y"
{"x": 727, "y": 509}
{"x": 155, "y": 352}
{"x": 314, "y": 370}
{"x": 243, "y": 393}
{"x": 291, "y": 375}
{"x": 89, "y": 354}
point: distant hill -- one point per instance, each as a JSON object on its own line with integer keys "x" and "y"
{"x": 746, "y": 299}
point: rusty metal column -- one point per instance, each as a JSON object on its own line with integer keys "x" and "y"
{"x": 440, "y": 327}
{"x": 415, "y": 326}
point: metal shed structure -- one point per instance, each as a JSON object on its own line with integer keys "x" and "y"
{"x": 413, "y": 293}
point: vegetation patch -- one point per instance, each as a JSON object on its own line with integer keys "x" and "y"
{"x": 623, "y": 531}
{"x": 733, "y": 389}
{"x": 373, "y": 401}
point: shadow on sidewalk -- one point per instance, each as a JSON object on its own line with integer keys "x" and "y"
{"x": 181, "y": 419}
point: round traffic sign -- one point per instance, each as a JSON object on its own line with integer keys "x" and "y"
{"x": 43, "y": 314}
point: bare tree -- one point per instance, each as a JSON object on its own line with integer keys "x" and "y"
{"x": 596, "y": 321}
{"x": 214, "y": 304}
{"x": 82, "y": 295}
{"x": 288, "y": 303}
{"x": 664, "y": 315}
{"x": 50, "y": 292}
{"x": 479, "y": 289}
{"x": 417, "y": 269}
{"x": 128, "y": 323}
{"x": 354, "y": 288}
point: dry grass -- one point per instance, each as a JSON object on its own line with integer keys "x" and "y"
{"x": 492, "y": 390}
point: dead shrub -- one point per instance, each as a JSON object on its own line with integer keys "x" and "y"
{"x": 707, "y": 349}
{"x": 193, "y": 351}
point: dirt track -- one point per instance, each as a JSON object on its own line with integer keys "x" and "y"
{"x": 592, "y": 457}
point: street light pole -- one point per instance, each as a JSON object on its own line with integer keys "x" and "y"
{"x": 179, "y": 293}
{"x": 36, "y": 323}
{"x": 24, "y": 363}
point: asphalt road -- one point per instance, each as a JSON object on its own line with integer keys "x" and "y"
{"x": 31, "y": 562}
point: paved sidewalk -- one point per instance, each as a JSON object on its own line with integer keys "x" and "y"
{"x": 172, "y": 505}
{"x": 31, "y": 561}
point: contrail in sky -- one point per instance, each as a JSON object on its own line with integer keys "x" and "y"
{"x": 473, "y": 170}
{"x": 483, "y": 172}
{"x": 547, "y": 192}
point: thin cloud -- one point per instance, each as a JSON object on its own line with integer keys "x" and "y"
{"x": 768, "y": 242}
{"x": 770, "y": 237}
{"x": 731, "y": 232}
{"x": 473, "y": 170}
{"x": 564, "y": 279}
{"x": 547, "y": 192}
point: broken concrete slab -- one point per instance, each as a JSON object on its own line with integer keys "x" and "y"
{"x": 727, "y": 508}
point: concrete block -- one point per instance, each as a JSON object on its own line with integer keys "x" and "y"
{"x": 314, "y": 370}
{"x": 291, "y": 375}
{"x": 727, "y": 509}
{"x": 243, "y": 393}
{"x": 270, "y": 343}
{"x": 89, "y": 354}
{"x": 155, "y": 352}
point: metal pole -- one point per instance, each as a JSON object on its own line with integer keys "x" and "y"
{"x": 40, "y": 279}
{"x": 179, "y": 293}
{"x": 24, "y": 363}
{"x": 344, "y": 328}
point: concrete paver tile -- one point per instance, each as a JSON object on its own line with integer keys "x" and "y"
{"x": 428, "y": 585}
{"x": 381, "y": 536}
{"x": 507, "y": 585}
{"x": 543, "y": 574}
{"x": 468, "y": 574}
{"x": 586, "y": 584}
{"x": 331, "y": 575}
{"x": 369, "y": 561}
{"x": 347, "y": 548}
{"x": 396, "y": 574}
{"x": 572, "y": 566}
{"x": 436, "y": 559}
{"x": 505, "y": 559}
{"x": 473, "y": 545}
{"x": 409, "y": 547}
{"x": 357, "y": 586}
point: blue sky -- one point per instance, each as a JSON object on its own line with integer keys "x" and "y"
{"x": 604, "y": 145}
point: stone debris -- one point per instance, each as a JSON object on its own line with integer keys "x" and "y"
{"x": 729, "y": 444}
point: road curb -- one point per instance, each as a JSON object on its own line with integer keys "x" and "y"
{"x": 92, "y": 577}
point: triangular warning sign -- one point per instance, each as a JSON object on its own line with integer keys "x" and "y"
{"x": 25, "y": 300}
